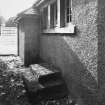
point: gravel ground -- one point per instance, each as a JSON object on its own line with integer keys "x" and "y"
{"x": 12, "y": 89}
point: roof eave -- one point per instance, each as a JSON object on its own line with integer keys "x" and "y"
{"x": 18, "y": 18}
{"x": 39, "y": 3}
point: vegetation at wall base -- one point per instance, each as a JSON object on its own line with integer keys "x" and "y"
{"x": 12, "y": 89}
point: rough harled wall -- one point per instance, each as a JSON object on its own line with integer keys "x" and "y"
{"x": 31, "y": 27}
{"x": 85, "y": 44}
{"x": 76, "y": 56}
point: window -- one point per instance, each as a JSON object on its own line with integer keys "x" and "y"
{"x": 58, "y": 13}
{"x": 45, "y": 18}
{"x": 53, "y": 14}
{"x": 68, "y": 10}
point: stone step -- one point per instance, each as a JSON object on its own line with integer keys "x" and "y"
{"x": 54, "y": 90}
{"x": 45, "y": 74}
{"x": 31, "y": 81}
{"x": 49, "y": 84}
{"x": 44, "y": 82}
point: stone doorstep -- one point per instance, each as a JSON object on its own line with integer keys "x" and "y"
{"x": 45, "y": 74}
{"x": 42, "y": 70}
{"x": 49, "y": 83}
{"x": 32, "y": 82}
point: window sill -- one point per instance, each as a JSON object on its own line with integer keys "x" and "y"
{"x": 69, "y": 29}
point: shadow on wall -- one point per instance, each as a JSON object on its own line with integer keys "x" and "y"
{"x": 80, "y": 82}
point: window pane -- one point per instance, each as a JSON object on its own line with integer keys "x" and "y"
{"x": 70, "y": 17}
{"x": 68, "y": 11}
{"x": 45, "y": 17}
{"x": 67, "y": 18}
{"x": 55, "y": 13}
{"x": 52, "y": 15}
{"x": 62, "y": 13}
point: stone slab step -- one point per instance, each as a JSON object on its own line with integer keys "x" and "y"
{"x": 50, "y": 92}
{"x": 31, "y": 81}
{"x": 44, "y": 83}
{"x": 44, "y": 74}
{"x": 55, "y": 91}
{"x": 52, "y": 83}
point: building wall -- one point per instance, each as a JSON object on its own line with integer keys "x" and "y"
{"x": 31, "y": 27}
{"x": 28, "y": 39}
{"x": 101, "y": 50}
{"x": 76, "y": 55}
